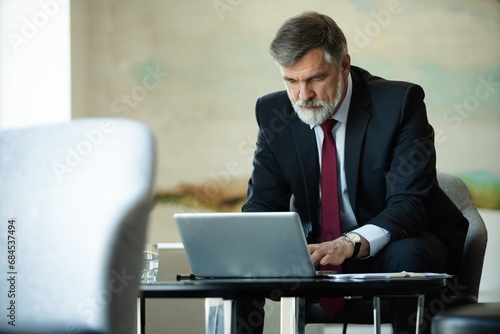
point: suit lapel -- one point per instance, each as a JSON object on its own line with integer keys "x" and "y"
{"x": 304, "y": 139}
{"x": 357, "y": 122}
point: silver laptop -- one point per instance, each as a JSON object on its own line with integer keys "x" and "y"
{"x": 245, "y": 244}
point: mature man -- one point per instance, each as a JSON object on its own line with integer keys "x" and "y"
{"x": 351, "y": 153}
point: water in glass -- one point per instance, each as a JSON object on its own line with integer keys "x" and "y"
{"x": 150, "y": 265}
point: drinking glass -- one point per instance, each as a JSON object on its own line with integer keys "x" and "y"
{"x": 150, "y": 261}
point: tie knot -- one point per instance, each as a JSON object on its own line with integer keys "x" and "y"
{"x": 327, "y": 125}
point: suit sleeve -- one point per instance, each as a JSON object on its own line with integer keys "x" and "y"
{"x": 411, "y": 174}
{"x": 267, "y": 187}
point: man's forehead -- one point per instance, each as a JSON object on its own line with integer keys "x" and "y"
{"x": 306, "y": 68}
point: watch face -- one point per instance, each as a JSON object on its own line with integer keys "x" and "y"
{"x": 354, "y": 237}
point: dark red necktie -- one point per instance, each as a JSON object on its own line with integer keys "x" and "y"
{"x": 330, "y": 210}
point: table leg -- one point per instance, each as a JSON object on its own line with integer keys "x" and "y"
{"x": 220, "y": 316}
{"x": 143, "y": 314}
{"x": 376, "y": 315}
{"x": 420, "y": 312}
{"x": 292, "y": 315}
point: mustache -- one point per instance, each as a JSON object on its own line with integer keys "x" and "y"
{"x": 311, "y": 103}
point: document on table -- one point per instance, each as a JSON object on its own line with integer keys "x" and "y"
{"x": 385, "y": 276}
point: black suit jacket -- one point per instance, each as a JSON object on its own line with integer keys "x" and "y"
{"x": 389, "y": 164}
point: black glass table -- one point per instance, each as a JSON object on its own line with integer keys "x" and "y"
{"x": 292, "y": 291}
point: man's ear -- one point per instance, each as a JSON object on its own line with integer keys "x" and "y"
{"x": 346, "y": 65}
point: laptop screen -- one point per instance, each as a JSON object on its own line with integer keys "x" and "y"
{"x": 245, "y": 244}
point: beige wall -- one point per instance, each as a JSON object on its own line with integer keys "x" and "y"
{"x": 192, "y": 70}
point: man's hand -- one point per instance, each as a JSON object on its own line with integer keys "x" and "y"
{"x": 331, "y": 252}
{"x": 336, "y": 251}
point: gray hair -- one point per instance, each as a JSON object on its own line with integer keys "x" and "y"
{"x": 305, "y": 32}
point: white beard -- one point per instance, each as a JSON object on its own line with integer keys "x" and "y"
{"x": 327, "y": 110}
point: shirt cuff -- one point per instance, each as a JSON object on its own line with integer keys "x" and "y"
{"x": 376, "y": 236}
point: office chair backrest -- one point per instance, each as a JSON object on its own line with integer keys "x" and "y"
{"x": 475, "y": 242}
{"x": 75, "y": 199}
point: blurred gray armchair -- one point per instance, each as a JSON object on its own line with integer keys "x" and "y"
{"x": 476, "y": 241}
{"x": 75, "y": 199}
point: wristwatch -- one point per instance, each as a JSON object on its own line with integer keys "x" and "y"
{"x": 355, "y": 240}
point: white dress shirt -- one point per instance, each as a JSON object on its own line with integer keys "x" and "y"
{"x": 376, "y": 236}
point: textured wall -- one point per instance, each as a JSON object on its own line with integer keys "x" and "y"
{"x": 193, "y": 69}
